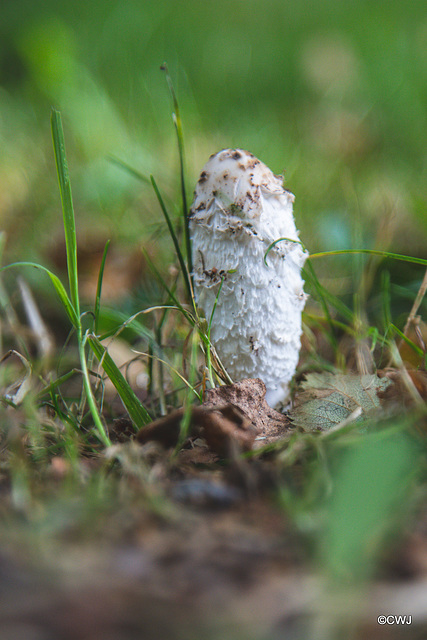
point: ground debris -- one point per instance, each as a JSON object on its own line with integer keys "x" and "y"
{"x": 408, "y": 388}
{"x": 328, "y": 399}
{"x": 122, "y": 430}
{"x": 230, "y": 419}
{"x": 224, "y": 427}
{"x": 205, "y": 492}
{"x": 249, "y": 396}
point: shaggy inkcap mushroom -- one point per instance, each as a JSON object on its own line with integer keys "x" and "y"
{"x": 240, "y": 207}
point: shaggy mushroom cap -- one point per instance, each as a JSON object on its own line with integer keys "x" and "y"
{"x": 240, "y": 207}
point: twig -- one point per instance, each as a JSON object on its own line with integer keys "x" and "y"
{"x": 417, "y": 303}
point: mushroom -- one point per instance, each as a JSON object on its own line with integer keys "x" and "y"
{"x": 240, "y": 208}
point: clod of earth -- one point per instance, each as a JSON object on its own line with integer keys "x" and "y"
{"x": 240, "y": 208}
{"x": 234, "y": 417}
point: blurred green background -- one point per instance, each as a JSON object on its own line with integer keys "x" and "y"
{"x": 332, "y": 93}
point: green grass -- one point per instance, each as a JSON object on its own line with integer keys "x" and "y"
{"x": 84, "y": 338}
{"x": 341, "y": 109}
{"x": 338, "y": 319}
{"x": 348, "y": 495}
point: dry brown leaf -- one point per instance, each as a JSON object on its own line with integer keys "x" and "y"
{"x": 417, "y": 333}
{"x": 224, "y": 428}
{"x": 402, "y": 393}
{"x": 249, "y": 396}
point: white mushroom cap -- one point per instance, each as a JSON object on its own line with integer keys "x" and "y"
{"x": 240, "y": 207}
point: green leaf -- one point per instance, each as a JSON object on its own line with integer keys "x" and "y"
{"x": 67, "y": 206}
{"x": 136, "y": 410}
{"x": 328, "y": 399}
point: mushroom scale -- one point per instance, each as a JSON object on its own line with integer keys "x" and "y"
{"x": 240, "y": 207}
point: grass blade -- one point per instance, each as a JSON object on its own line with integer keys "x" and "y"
{"x": 136, "y": 410}
{"x": 409, "y": 342}
{"x": 52, "y": 386}
{"x": 67, "y": 207}
{"x": 123, "y": 323}
{"x": 130, "y": 170}
{"x": 174, "y": 238}
{"x": 99, "y": 287}
{"x": 273, "y": 244}
{"x": 173, "y": 370}
{"x": 180, "y": 138}
{"x": 371, "y": 252}
{"x": 386, "y": 299}
{"x": 326, "y": 296}
{"x": 310, "y": 274}
{"x": 171, "y": 295}
{"x": 71, "y": 248}
{"x": 100, "y": 429}
{"x": 59, "y": 288}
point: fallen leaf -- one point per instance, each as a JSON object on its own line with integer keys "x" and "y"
{"x": 224, "y": 428}
{"x": 417, "y": 334}
{"x": 328, "y": 399}
{"x": 249, "y": 396}
{"x": 406, "y": 386}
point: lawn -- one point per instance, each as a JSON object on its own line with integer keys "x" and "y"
{"x": 143, "y": 492}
